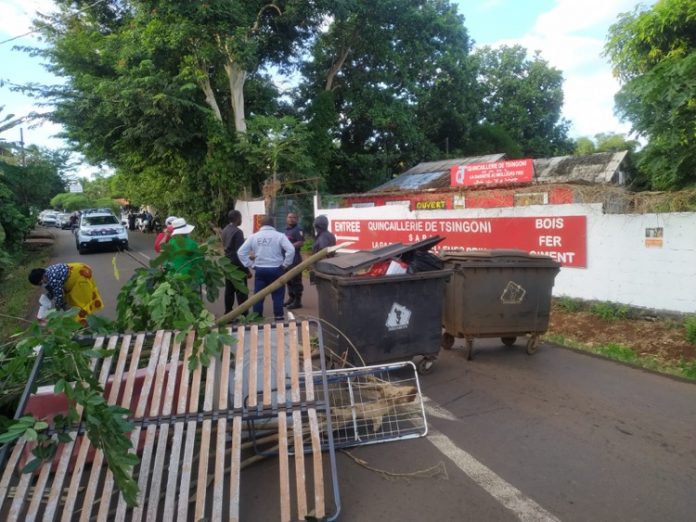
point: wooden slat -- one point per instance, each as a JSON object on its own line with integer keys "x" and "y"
{"x": 151, "y": 429}
{"x": 218, "y": 485}
{"x": 169, "y": 513}
{"x": 55, "y": 493}
{"x": 161, "y": 453}
{"x": 107, "y": 490}
{"x": 252, "y": 379}
{"x": 267, "y": 358}
{"x": 84, "y": 448}
{"x": 140, "y": 412}
{"x": 20, "y": 495}
{"x": 10, "y": 469}
{"x": 91, "y": 489}
{"x": 187, "y": 461}
{"x": 319, "y": 508}
{"x": 237, "y": 426}
{"x": 297, "y": 425}
{"x": 39, "y": 487}
{"x": 204, "y": 453}
{"x": 285, "y": 506}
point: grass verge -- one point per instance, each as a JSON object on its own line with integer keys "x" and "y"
{"x": 16, "y": 294}
{"x": 625, "y": 354}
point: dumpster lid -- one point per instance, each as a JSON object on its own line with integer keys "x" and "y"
{"x": 498, "y": 257}
{"x": 347, "y": 264}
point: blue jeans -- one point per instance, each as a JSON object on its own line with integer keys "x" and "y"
{"x": 263, "y": 277}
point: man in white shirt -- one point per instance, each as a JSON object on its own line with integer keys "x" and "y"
{"x": 273, "y": 254}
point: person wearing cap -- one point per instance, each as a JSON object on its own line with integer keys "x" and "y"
{"x": 295, "y": 235}
{"x": 232, "y": 239}
{"x": 180, "y": 247}
{"x": 273, "y": 255}
{"x": 165, "y": 235}
{"x": 323, "y": 237}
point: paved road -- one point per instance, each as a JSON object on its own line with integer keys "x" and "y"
{"x": 556, "y": 436}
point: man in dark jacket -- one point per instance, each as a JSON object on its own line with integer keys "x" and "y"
{"x": 324, "y": 238}
{"x": 295, "y": 235}
{"x": 232, "y": 239}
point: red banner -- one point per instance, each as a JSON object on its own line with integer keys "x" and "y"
{"x": 496, "y": 173}
{"x": 564, "y": 238}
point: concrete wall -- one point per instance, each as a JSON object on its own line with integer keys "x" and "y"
{"x": 623, "y": 265}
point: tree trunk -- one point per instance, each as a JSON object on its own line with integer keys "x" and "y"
{"x": 335, "y": 68}
{"x": 210, "y": 97}
{"x": 237, "y": 77}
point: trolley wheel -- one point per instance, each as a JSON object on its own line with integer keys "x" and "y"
{"x": 425, "y": 365}
{"x": 532, "y": 344}
{"x": 447, "y": 341}
{"x": 508, "y": 341}
{"x": 469, "y": 351}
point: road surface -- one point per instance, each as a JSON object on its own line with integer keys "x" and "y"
{"x": 555, "y": 436}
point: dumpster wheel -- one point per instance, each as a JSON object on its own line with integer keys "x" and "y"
{"x": 532, "y": 344}
{"x": 425, "y": 365}
{"x": 447, "y": 341}
{"x": 508, "y": 341}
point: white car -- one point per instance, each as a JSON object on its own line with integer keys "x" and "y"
{"x": 48, "y": 219}
{"x": 99, "y": 229}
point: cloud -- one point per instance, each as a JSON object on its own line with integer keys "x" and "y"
{"x": 571, "y": 37}
{"x": 16, "y": 15}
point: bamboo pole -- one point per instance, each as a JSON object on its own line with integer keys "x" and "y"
{"x": 282, "y": 280}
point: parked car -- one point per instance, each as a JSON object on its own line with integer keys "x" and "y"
{"x": 100, "y": 228}
{"x": 48, "y": 219}
{"x": 63, "y": 220}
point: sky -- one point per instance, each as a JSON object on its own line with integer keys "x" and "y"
{"x": 570, "y": 35}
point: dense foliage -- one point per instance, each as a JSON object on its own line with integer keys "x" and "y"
{"x": 193, "y": 103}
{"x": 654, "y": 55}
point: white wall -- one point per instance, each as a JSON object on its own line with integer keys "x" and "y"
{"x": 620, "y": 268}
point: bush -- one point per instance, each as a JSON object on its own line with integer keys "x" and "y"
{"x": 569, "y": 304}
{"x": 690, "y": 324}
{"x": 609, "y": 311}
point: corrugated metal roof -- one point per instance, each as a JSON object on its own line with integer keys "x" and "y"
{"x": 602, "y": 167}
{"x": 431, "y": 174}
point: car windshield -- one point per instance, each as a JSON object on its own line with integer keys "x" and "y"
{"x": 100, "y": 220}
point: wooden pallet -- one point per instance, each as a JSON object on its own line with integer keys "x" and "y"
{"x": 189, "y": 435}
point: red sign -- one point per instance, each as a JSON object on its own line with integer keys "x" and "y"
{"x": 496, "y": 173}
{"x": 564, "y": 238}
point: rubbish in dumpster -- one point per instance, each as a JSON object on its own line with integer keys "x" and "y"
{"x": 424, "y": 262}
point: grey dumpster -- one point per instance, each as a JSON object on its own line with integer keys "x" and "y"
{"x": 369, "y": 320}
{"x": 497, "y": 293}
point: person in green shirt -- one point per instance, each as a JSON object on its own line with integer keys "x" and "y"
{"x": 183, "y": 249}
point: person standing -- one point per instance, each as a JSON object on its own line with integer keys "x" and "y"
{"x": 273, "y": 254}
{"x": 69, "y": 285}
{"x": 232, "y": 240}
{"x": 295, "y": 235}
{"x": 166, "y": 234}
{"x": 323, "y": 237}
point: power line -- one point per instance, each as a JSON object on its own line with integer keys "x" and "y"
{"x": 35, "y": 30}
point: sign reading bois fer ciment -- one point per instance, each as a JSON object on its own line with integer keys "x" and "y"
{"x": 495, "y": 173}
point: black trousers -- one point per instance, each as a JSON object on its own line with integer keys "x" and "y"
{"x": 230, "y": 294}
{"x": 295, "y": 286}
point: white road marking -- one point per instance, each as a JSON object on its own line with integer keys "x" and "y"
{"x": 509, "y": 496}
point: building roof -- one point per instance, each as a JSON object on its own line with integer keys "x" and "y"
{"x": 600, "y": 168}
{"x": 431, "y": 174}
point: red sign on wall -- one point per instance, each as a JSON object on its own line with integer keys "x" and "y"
{"x": 496, "y": 173}
{"x": 564, "y": 238}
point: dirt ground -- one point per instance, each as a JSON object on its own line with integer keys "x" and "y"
{"x": 655, "y": 336}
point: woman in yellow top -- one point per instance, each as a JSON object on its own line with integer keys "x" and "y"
{"x": 69, "y": 285}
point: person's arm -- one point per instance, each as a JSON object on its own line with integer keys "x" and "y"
{"x": 288, "y": 249}
{"x": 299, "y": 239}
{"x": 244, "y": 251}
{"x": 54, "y": 287}
{"x": 236, "y": 243}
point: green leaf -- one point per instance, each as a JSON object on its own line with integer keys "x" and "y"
{"x": 9, "y": 436}
{"x": 41, "y": 425}
{"x": 31, "y": 466}
{"x": 31, "y": 434}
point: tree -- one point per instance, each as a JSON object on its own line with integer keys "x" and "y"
{"x": 653, "y": 53}
{"x": 525, "y": 98}
{"x": 388, "y": 84}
